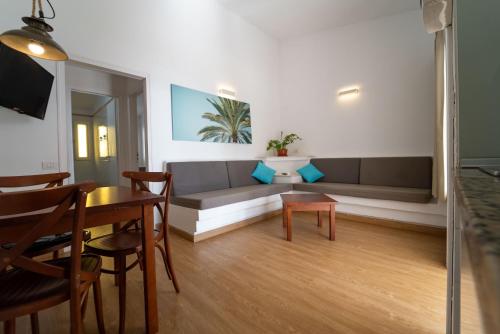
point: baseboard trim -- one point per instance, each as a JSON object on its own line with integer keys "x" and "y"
{"x": 225, "y": 229}
{"x": 181, "y": 233}
{"x": 400, "y": 225}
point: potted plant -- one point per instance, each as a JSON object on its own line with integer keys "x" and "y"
{"x": 280, "y": 145}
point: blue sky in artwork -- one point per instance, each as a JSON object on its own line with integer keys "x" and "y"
{"x": 188, "y": 105}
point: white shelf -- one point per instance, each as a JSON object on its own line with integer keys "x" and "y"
{"x": 291, "y": 158}
{"x": 294, "y": 178}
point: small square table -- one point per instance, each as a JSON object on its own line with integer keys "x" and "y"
{"x": 308, "y": 202}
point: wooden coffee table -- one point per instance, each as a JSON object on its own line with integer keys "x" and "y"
{"x": 307, "y": 202}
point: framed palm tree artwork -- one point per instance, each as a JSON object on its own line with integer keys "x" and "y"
{"x": 203, "y": 117}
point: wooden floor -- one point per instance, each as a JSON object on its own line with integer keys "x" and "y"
{"x": 372, "y": 279}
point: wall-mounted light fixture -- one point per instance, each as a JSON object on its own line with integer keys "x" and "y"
{"x": 348, "y": 93}
{"x": 103, "y": 141}
{"x": 227, "y": 93}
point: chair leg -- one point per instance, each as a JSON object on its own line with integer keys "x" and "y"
{"x": 9, "y": 326}
{"x": 55, "y": 254}
{"x": 170, "y": 265}
{"x": 122, "y": 290}
{"x": 35, "y": 328}
{"x": 164, "y": 257}
{"x": 75, "y": 310}
{"x": 98, "y": 306}
{"x": 84, "y": 304}
{"x": 116, "y": 268}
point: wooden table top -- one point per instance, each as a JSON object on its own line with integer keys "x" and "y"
{"x": 106, "y": 197}
{"x": 102, "y": 199}
{"x": 306, "y": 198}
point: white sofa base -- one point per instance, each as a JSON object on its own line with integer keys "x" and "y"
{"x": 195, "y": 222}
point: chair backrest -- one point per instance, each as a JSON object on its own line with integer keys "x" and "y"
{"x": 50, "y": 180}
{"x": 37, "y": 213}
{"x": 138, "y": 179}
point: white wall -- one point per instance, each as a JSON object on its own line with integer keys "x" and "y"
{"x": 194, "y": 43}
{"x": 26, "y": 141}
{"x": 199, "y": 44}
{"x": 392, "y": 61}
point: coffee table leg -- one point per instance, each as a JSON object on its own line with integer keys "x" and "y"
{"x": 320, "y": 221}
{"x": 332, "y": 222}
{"x": 284, "y": 215}
{"x": 288, "y": 224}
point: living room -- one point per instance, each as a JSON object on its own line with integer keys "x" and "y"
{"x": 365, "y": 89}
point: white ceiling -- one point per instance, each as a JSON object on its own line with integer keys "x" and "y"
{"x": 87, "y": 104}
{"x": 284, "y": 19}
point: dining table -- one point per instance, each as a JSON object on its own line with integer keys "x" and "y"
{"x": 110, "y": 206}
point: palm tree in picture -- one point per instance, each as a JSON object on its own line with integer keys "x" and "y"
{"x": 232, "y": 122}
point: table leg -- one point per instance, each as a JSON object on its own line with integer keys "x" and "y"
{"x": 332, "y": 222}
{"x": 284, "y": 215}
{"x": 320, "y": 221}
{"x": 149, "y": 272}
{"x": 288, "y": 224}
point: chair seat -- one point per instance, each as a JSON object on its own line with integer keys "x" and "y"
{"x": 19, "y": 286}
{"x": 50, "y": 243}
{"x": 120, "y": 243}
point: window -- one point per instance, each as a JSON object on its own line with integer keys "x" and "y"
{"x": 82, "y": 144}
{"x": 103, "y": 141}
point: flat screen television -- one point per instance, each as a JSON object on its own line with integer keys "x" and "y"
{"x": 24, "y": 85}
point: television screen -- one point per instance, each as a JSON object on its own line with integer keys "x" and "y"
{"x": 24, "y": 85}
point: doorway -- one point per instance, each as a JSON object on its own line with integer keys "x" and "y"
{"x": 106, "y": 124}
{"x": 94, "y": 138}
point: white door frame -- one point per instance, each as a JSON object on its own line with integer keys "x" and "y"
{"x": 64, "y": 140}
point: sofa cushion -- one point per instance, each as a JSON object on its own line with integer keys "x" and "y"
{"x": 264, "y": 173}
{"x": 198, "y": 176}
{"x": 310, "y": 173}
{"x": 407, "y": 172}
{"x": 414, "y": 195}
{"x": 240, "y": 173}
{"x": 338, "y": 170}
{"x": 213, "y": 199}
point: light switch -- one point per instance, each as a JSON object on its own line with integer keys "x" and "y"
{"x": 49, "y": 165}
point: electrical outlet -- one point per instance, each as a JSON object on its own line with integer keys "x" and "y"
{"x": 49, "y": 165}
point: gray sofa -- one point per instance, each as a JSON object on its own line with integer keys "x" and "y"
{"x": 404, "y": 179}
{"x": 208, "y": 184}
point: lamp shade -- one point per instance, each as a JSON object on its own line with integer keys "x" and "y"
{"x": 34, "y": 40}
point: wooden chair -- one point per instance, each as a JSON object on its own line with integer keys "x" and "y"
{"x": 48, "y": 244}
{"x": 127, "y": 241}
{"x": 28, "y": 286}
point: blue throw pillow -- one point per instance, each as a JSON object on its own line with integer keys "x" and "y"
{"x": 310, "y": 173}
{"x": 263, "y": 173}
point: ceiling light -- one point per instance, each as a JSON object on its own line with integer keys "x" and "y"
{"x": 34, "y": 39}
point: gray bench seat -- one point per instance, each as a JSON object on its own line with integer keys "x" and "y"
{"x": 209, "y": 184}
{"x": 414, "y": 195}
{"x": 216, "y": 198}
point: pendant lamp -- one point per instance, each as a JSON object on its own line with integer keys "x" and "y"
{"x": 34, "y": 39}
